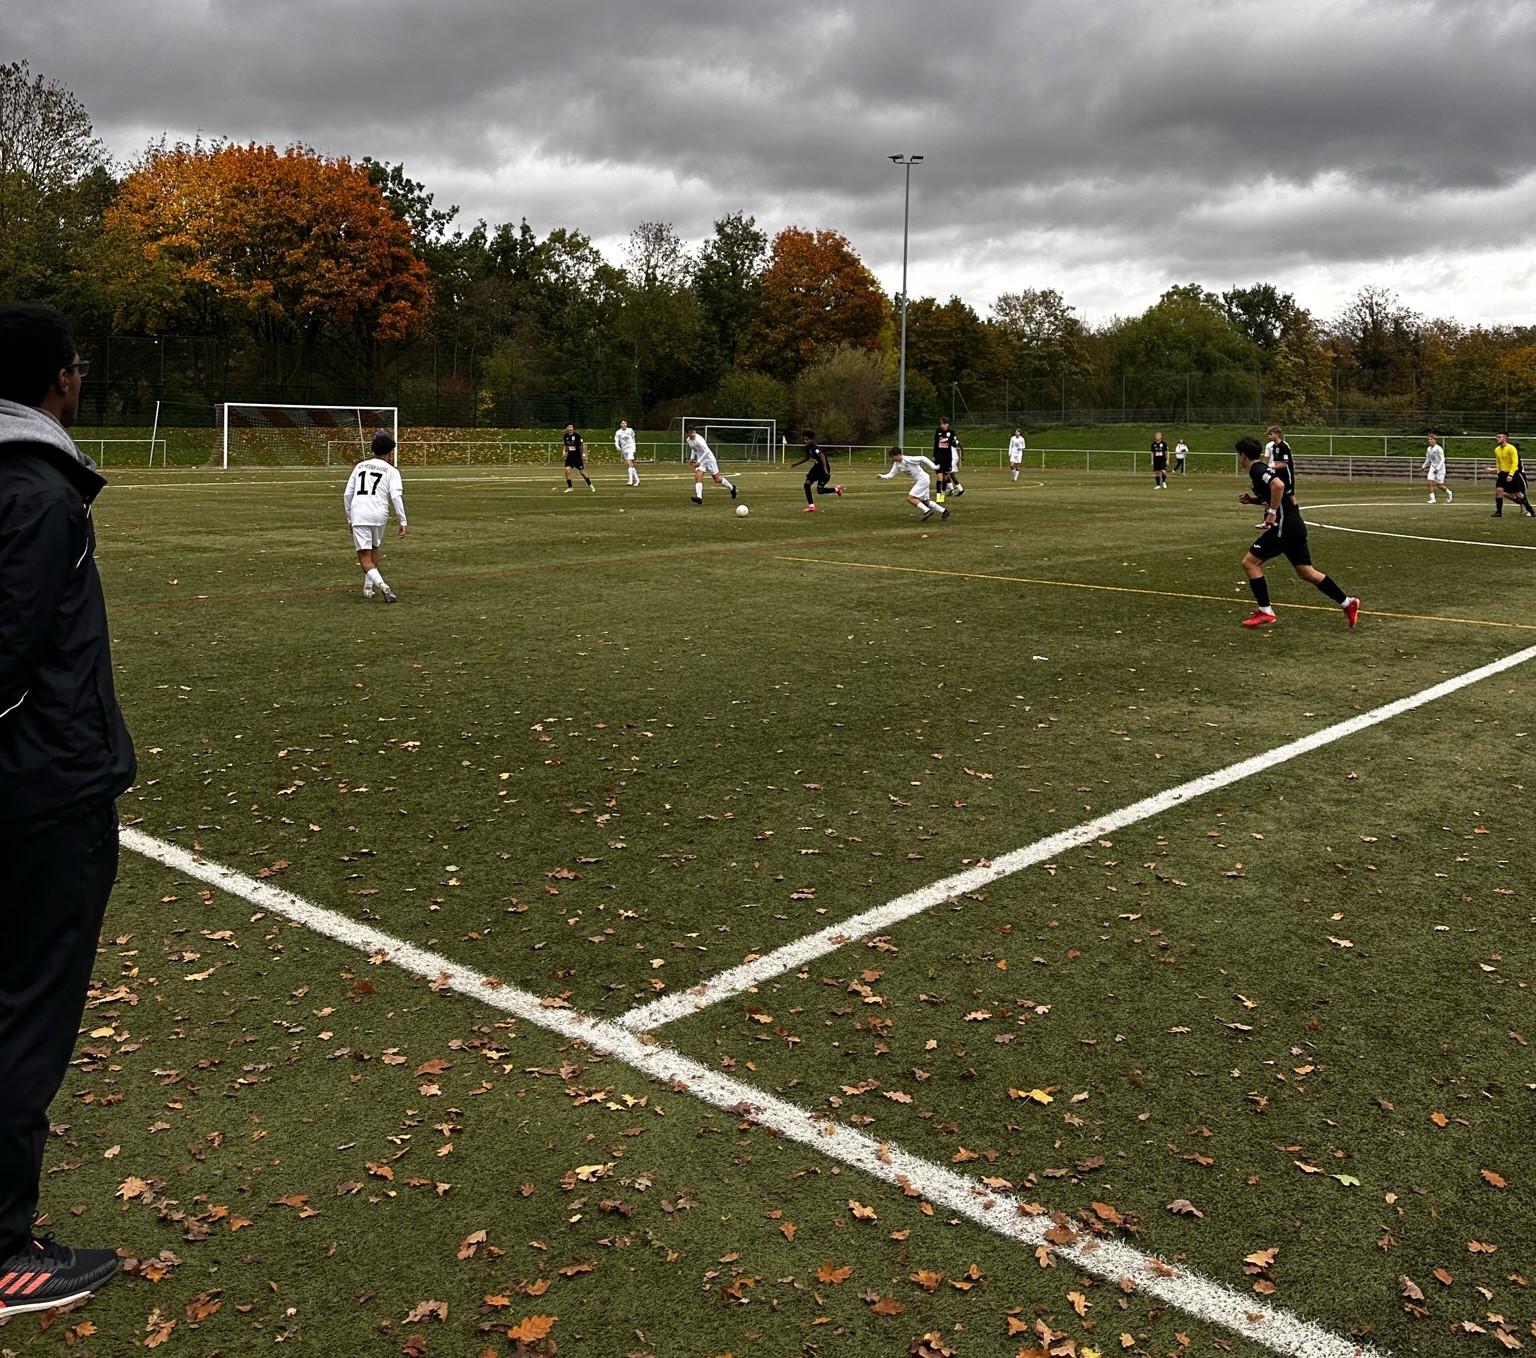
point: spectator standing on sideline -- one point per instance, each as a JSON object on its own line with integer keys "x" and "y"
{"x": 65, "y": 756}
{"x": 1511, "y": 478}
{"x": 624, "y": 441}
{"x": 1181, "y": 458}
{"x": 1016, "y": 452}
{"x": 1434, "y": 469}
{"x": 372, "y": 487}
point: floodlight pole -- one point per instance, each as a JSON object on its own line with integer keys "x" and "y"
{"x": 901, "y": 381}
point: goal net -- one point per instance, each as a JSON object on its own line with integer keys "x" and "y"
{"x": 252, "y": 435}
{"x": 731, "y": 438}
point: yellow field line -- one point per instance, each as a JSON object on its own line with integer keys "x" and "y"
{"x": 1131, "y": 589}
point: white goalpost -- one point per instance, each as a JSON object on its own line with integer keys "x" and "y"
{"x": 737, "y": 438}
{"x": 255, "y": 435}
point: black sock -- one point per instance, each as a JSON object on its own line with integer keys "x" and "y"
{"x": 1260, "y": 587}
{"x": 1330, "y": 587}
{"x": 1498, "y": 504}
{"x": 808, "y": 498}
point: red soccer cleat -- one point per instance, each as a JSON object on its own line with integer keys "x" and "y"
{"x": 839, "y": 491}
{"x": 810, "y": 509}
{"x": 1259, "y": 618}
{"x": 1352, "y": 609}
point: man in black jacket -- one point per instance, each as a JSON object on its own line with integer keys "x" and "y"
{"x": 65, "y": 756}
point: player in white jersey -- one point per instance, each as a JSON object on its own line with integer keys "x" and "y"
{"x": 917, "y": 468}
{"x": 1434, "y": 469}
{"x": 1016, "y": 452}
{"x": 372, "y": 487}
{"x": 704, "y": 464}
{"x": 624, "y": 441}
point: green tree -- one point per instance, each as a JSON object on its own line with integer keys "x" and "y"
{"x": 658, "y": 323}
{"x": 54, "y": 185}
{"x": 728, "y": 283}
{"x": 1380, "y": 343}
{"x": 946, "y": 343}
{"x": 848, "y": 395}
{"x": 1037, "y": 338}
{"x": 753, "y": 396}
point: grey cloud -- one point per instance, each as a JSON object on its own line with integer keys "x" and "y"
{"x": 1214, "y": 139}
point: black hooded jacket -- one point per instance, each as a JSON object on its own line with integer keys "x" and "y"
{"x": 64, "y": 748}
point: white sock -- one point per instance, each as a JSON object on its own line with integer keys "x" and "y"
{"x": 726, "y": 483}
{"x": 957, "y": 487}
{"x": 374, "y": 579}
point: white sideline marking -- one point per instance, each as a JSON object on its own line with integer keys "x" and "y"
{"x": 1275, "y": 1328}
{"x": 792, "y": 956}
{"x": 1416, "y": 537}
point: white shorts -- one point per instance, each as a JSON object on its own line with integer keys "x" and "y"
{"x": 629, "y": 457}
{"x": 920, "y": 487}
{"x": 707, "y": 465}
{"x": 1016, "y": 459}
{"x": 367, "y": 536}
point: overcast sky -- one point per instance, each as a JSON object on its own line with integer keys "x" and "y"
{"x": 1106, "y": 148}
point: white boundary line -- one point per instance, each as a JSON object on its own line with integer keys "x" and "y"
{"x": 792, "y": 956}
{"x": 1415, "y": 537}
{"x": 1273, "y": 1327}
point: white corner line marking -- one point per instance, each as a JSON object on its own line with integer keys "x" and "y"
{"x": 792, "y": 956}
{"x": 1273, "y": 1327}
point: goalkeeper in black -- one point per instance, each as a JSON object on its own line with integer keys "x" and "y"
{"x": 1285, "y": 534}
{"x": 819, "y": 476}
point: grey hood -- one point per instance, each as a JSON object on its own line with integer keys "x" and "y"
{"x": 27, "y": 424}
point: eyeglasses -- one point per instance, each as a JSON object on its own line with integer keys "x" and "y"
{"x": 82, "y": 367}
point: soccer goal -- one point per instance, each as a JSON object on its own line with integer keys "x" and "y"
{"x": 253, "y": 435}
{"x": 737, "y": 439}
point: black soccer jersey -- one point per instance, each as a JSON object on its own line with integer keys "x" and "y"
{"x": 945, "y": 440}
{"x": 1279, "y": 453}
{"x": 1159, "y": 448}
{"x": 1262, "y": 477}
{"x": 820, "y": 468}
{"x": 572, "y": 442}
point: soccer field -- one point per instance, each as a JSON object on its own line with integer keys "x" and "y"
{"x": 667, "y": 932}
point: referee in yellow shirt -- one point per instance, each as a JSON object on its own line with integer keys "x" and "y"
{"x": 1510, "y": 482}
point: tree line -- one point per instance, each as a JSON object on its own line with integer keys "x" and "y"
{"x": 216, "y": 271}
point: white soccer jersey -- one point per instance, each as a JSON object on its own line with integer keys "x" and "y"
{"x": 372, "y": 487}
{"x": 916, "y": 467}
{"x": 702, "y": 454}
{"x": 1016, "y": 448}
{"x": 1181, "y": 450}
{"x": 1434, "y": 462}
{"x": 624, "y": 441}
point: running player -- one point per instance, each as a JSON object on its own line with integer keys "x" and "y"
{"x": 820, "y": 473}
{"x": 575, "y": 458}
{"x": 917, "y": 468}
{"x": 1159, "y": 461}
{"x": 1434, "y": 469}
{"x": 704, "y": 464}
{"x": 624, "y": 441}
{"x": 946, "y": 457}
{"x": 1016, "y": 452}
{"x": 372, "y": 487}
{"x": 1285, "y": 533}
{"x": 1511, "y": 478}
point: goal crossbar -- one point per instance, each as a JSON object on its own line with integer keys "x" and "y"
{"x": 746, "y": 438}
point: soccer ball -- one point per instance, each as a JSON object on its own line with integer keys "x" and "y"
{"x": 742, "y": 511}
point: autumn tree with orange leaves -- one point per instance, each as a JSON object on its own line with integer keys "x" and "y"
{"x": 290, "y": 246}
{"x": 815, "y": 295}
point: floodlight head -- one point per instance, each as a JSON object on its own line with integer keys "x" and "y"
{"x": 897, "y": 159}
{"x": 915, "y": 159}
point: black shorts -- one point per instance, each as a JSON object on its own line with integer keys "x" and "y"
{"x": 576, "y": 461}
{"x": 944, "y": 459}
{"x": 1159, "y": 462}
{"x": 1512, "y": 482}
{"x": 1288, "y": 539}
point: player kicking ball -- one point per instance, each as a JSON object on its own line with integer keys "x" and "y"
{"x": 704, "y": 464}
{"x": 372, "y": 488}
{"x": 917, "y": 468}
{"x": 1285, "y": 534}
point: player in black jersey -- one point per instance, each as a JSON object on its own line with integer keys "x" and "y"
{"x": 575, "y": 457}
{"x": 946, "y": 454}
{"x": 1285, "y": 534}
{"x": 1277, "y": 452}
{"x": 1159, "y": 461}
{"x": 820, "y": 474}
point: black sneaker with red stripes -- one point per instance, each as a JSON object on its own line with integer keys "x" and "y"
{"x": 45, "y": 1274}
